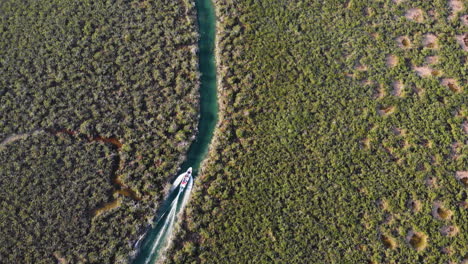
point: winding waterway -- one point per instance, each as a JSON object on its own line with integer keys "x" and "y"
{"x": 156, "y": 238}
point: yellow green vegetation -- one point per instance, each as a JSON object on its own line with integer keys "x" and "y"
{"x": 417, "y": 240}
{"x": 306, "y": 151}
{"x": 388, "y": 242}
{"x": 113, "y": 88}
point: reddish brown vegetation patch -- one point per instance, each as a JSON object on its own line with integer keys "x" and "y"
{"x": 415, "y": 14}
{"x": 120, "y": 187}
{"x": 112, "y": 140}
{"x": 465, "y": 127}
{"x": 123, "y": 189}
{"x": 106, "y": 207}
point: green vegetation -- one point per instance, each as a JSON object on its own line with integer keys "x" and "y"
{"x": 342, "y": 124}
{"x": 111, "y": 87}
{"x": 48, "y": 184}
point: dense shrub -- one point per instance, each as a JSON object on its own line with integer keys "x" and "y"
{"x": 321, "y": 155}
{"x": 119, "y": 78}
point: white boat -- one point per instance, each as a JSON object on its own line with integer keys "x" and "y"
{"x": 186, "y": 179}
{"x": 182, "y": 180}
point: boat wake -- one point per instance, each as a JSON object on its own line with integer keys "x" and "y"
{"x": 156, "y": 240}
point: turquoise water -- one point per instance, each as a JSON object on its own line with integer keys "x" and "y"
{"x": 156, "y": 238}
{"x": 208, "y": 97}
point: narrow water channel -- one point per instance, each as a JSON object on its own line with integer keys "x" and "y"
{"x": 156, "y": 239}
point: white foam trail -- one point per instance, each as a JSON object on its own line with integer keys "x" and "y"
{"x": 176, "y": 207}
{"x": 177, "y": 182}
{"x": 167, "y": 225}
{"x": 188, "y": 190}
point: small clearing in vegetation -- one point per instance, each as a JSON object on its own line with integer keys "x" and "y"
{"x": 430, "y": 41}
{"x": 389, "y": 242}
{"x": 384, "y": 111}
{"x": 463, "y": 41}
{"x": 415, "y": 14}
{"x": 456, "y": 146}
{"x": 391, "y": 61}
{"x": 447, "y": 251}
{"x": 419, "y": 91}
{"x": 423, "y": 71}
{"x": 398, "y": 88}
{"x": 414, "y": 205}
{"x": 366, "y": 143}
{"x": 431, "y": 182}
{"x": 449, "y": 231}
{"x": 398, "y": 131}
{"x": 403, "y": 42}
{"x": 379, "y": 92}
{"x": 417, "y": 240}
{"x": 462, "y": 176}
{"x": 432, "y": 59}
{"x": 464, "y": 20}
{"x": 441, "y": 213}
{"x": 456, "y": 6}
{"x": 361, "y": 67}
{"x": 452, "y": 84}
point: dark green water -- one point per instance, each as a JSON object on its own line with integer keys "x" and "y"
{"x": 206, "y": 126}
